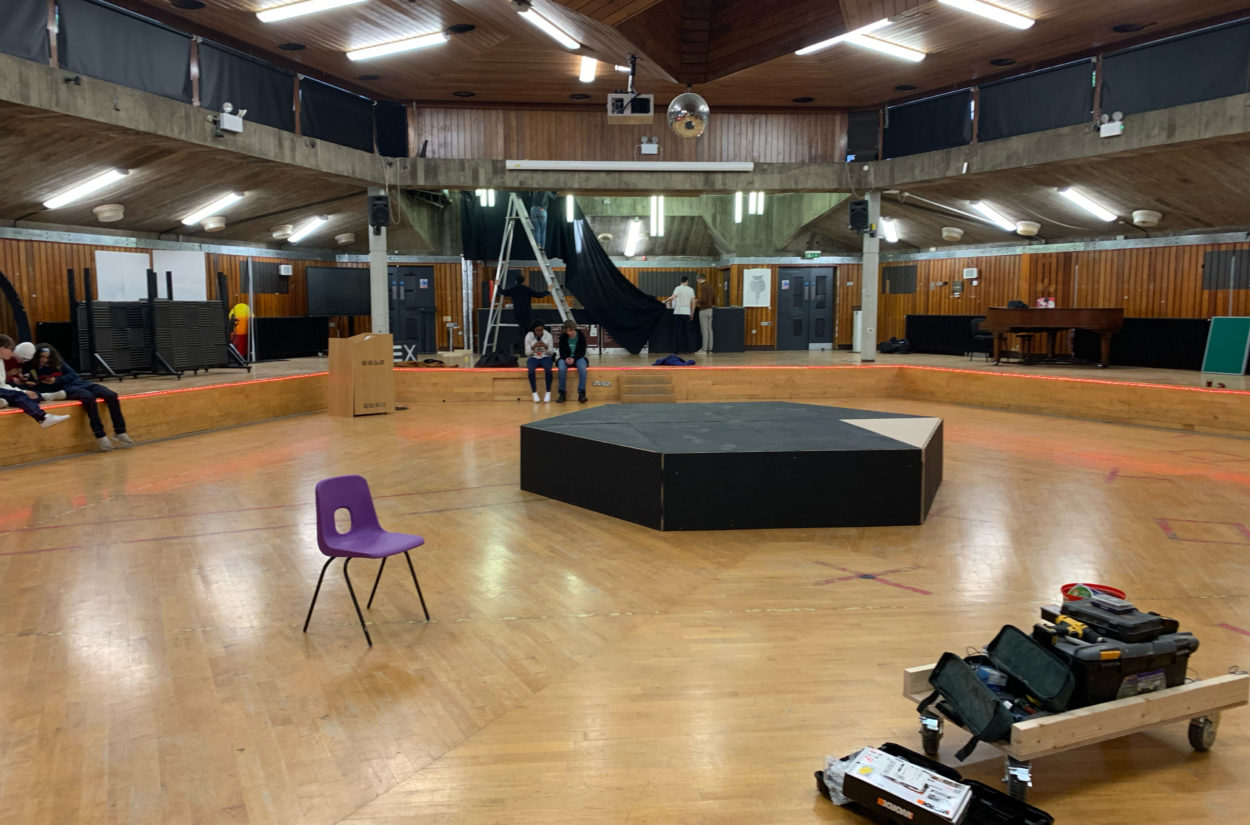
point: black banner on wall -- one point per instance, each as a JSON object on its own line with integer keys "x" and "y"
{"x": 267, "y": 93}
{"x": 25, "y": 31}
{"x": 926, "y": 125}
{"x": 327, "y": 113}
{"x": 99, "y": 41}
{"x": 1202, "y": 66}
{"x": 1063, "y": 96}
{"x": 391, "y": 120}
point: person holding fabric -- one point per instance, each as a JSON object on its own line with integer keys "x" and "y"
{"x": 573, "y": 354}
{"x": 538, "y": 347}
{"x": 705, "y": 299}
{"x": 521, "y": 296}
{"x": 538, "y": 217}
{"x": 682, "y": 302}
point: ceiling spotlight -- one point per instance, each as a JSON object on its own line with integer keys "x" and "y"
{"x": 309, "y": 227}
{"x": 85, "y": 188}
{"x": 531, "y": 16}
{"x": 299, "y": 9}
{"x": 109, "y": 212}
{"x": 1087, "y": 204}
{"x": 995, "y": 217}
{"x": 407, "y": 45}
{"x": 215, "y": 208}
{"x": 589, "y": 66}
{"x": 991, "y": 12}
{"x": 890, "y": 229}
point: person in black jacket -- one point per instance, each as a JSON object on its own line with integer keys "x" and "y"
{"x": 573, "y": 354}
{"x": 54, "y": 374}
{"x": 521, "y": 296}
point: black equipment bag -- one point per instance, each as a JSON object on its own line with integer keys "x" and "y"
{"x": 496, "y": 359}
{"x": 1033, "y": 670}
{"x": 968, "y": 702}
{"x": 1119, "y": 620}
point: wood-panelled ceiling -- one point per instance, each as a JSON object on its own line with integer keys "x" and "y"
{"x": 738, "y": 52}
{"x": 168, "y": 179}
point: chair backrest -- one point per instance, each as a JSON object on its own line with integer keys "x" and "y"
{"x": 349, "y": 493}
{"x": 976, "y": 325}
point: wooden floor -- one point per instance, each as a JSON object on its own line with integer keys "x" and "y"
{"x": 579, "y": 669}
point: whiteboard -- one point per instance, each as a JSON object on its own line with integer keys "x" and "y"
{"x": 121, "y": 276}
{"x": 757, "y": 287}
{"x": 190, "y": 282}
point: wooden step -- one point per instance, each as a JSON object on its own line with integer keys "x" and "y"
{"x": 645, "y": 379}
{"x": 648, "y": 398}
{"x": 647, "y": 388}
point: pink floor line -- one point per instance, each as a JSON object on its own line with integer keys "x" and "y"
{"x": 238, "y": 510}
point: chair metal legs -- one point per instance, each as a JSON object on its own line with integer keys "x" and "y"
{"x": 372, "y": 593}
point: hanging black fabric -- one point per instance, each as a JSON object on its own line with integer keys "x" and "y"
{"x": 327, "y": 113}
{"x": 1062, "y": 96}
{"x": 267, "y": 93}
{"x": 481, "y": 227}
{"x": 391, "y": 122}
{"x": 862, "y": 135}
{"x": 926, "y": 125}
{"x": 1201, "y": 66}
{"x": 99, "y": 41}
{"x": 25, "y": 32}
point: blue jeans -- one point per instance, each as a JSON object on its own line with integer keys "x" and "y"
{"x": 21, "y": 401}
{"x": 538, "y": 216}
{"x": 581, "y": 366}
{"x": 532, "y": 364}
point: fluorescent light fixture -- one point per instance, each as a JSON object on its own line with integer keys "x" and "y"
{"x": 490, "y": 197}
{"x": 569, "y": 211}
{"x": 629, "y": 165}
{"x": 85, "y": 188}
{"x": 631, "y": 239}
{"x": 737, "y": 207}
{"x": 432, "y": 39}
{"x": 750, "y": 203}
{"x": 824, "y": 44}
{"x": 299, "y": 9}
{"x": 996, "y": 13}
{"x": 657, "y": 216}
{"x": 994, "y": 215}
{"x": 621, "y": 68}
{"x": 1087, "y": 204}
{"x": 215, "y": 208}
{"x": 890, "y": 229}
{"x": 589, "y": 67}
{"x": 759, "y": 203}
{"x": 550, "y": 29}
{"x": 661, "y": 216}
{"x": 886, "y": 47}
{"x": 309, "y": 227}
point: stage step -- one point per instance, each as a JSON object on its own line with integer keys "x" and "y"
{"x": 647, "y": 388}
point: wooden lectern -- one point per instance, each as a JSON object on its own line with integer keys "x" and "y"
{"x": 362, "y": 378}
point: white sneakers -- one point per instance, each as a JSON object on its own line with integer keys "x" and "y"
{"x": 547, "y": 397}
{"x": 124, "y": 440}
{"x": 536, "y": 398}
{"x": 59, "y": 395}
{"x": 51, "y": 420}
{"x": 104, "y": 443}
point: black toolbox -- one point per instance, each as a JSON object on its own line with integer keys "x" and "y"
{"x": 1110, "y": 670}
{"x": 989, "y": 806}
{"x": 1116, "y": 619}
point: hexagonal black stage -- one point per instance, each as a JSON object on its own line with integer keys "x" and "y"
{"x": 736, "y": 466}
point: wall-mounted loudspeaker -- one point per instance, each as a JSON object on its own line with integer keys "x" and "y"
{"x": 859, "y": 215}
{"x": 379, "y": 210}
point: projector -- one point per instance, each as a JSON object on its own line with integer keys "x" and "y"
{"x": 628, "y": 109}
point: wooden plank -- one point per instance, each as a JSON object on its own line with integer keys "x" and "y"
{"x": 916, "y": 682}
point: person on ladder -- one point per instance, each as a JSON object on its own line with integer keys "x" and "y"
{"x": 538, "y": 217}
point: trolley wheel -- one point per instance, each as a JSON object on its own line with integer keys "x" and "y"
{"x": 929, "y": 741}
{"x": 1202, "y": 733}
{"x": 1017, "y": 789}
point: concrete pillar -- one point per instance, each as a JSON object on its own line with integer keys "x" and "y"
{"x": 870, "y": 278}
{"x": 379, "y": 282}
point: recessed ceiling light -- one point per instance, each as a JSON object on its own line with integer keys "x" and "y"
{"x": 804, "y": 99}
{"x": 189, "y": 5}
{"x": 1129, "y": 28}
{"x": 464, "y": 94}
{"x": 290, "y": 10}
{"x": 460, "y": 28}
{"x": 405, "y": 45}
{"x": 991, "y": 12}
{"x": 369, "y": 77}
{"x": 85, "y": 188}
{"x": 579, "y": 96}
{"x": 292, "y": 47}
{"x": 905, "y": 87}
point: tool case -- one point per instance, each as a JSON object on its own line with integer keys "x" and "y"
{"x": 988, "y": 806}
{"x": 1116, "y": 619}
{"x": 1109, "y": 670}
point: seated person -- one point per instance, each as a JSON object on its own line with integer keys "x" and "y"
{"x": 538, "y": 347}
{"x": 54, "y": 374}
{"x": 573, "y": 354}
{"x": 18, "y": 396}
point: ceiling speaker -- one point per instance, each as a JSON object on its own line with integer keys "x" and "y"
{"x": 283, "y": 231}
{"x": 1146, "y": 217}
{"x": 213, "y": 224}
{"x": 952, "y": 233}
{"x": 109, "y": 212}
{"x": 1027, "y": 228}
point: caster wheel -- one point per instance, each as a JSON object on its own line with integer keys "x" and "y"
{"x": 1202, "y": 733}
{"x": 929, "y": 741}
{"x": 1017, "y": 789}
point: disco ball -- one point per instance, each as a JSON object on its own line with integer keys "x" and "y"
{"x": 688, "y": 115}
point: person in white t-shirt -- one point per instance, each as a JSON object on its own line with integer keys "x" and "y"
{"x": 682, "y": 302}
{"x": 538, "y": 347}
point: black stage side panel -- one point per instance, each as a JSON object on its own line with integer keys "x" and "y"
{"x": 729, "y": 329}
{"x": 1166, "y": 343}
{"x": 933, "y": 460}
{"x": 291, "y": 337}
{"x": 612, "y": 479}
{"x": 940, "y": 334}
{"x": 338, "y": 291}
{"x": 59, "y": 334}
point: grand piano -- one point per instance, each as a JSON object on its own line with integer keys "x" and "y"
{"x": 1106, "y": 322}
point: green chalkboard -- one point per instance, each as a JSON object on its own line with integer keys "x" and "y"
{"x": 1228, "y": 344}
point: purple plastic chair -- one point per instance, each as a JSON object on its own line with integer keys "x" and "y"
{"x": 365, "y": 540}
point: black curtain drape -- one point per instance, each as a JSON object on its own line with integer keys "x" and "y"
{"x": 267, "y": 93}
{"x": 327, "y": 113}
{"x": 1201, "y": 66}
{"x": 25, "y": 29}
{"x": 102, "y": 42}
{"x": 391, "y": 122}
{"x": 1063, "y": 96}
{"x": 936, "y": 123}
{"x": 481, "y": 227}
